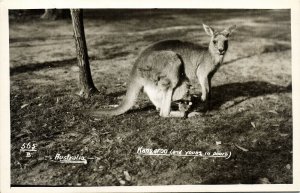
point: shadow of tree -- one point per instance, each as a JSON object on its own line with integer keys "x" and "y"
{"x": 39, "y": 66}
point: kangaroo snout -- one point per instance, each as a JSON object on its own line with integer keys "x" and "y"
{"x": 221, "y": 51}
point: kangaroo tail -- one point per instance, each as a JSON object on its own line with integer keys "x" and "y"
{"x": 133, "y": 90}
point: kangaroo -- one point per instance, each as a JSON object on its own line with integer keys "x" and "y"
{"x": 164, "y": 70}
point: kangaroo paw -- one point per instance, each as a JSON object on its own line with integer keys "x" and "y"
{"x": 193, "y": 114}
{"x": 177, "y": 114}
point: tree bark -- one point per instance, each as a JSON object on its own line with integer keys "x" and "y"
{"x": 86, "y": 83}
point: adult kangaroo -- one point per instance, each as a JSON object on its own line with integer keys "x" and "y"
{"x": 164, "y": 70}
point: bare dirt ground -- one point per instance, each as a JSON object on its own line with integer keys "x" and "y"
{"x": 251, "y": 115}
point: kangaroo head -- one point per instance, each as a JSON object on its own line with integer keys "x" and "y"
{"x": 219, "y": 40}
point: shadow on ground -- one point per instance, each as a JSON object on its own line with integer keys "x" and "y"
{"x": 244, "y": 90}
{"x": 236, "y": 92}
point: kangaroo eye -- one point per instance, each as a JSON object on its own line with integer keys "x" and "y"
{"x": 214, "y": 41}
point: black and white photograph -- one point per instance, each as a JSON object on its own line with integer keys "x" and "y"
{"x": 112, "y": 97}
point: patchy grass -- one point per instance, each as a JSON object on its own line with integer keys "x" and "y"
{"x": 251, "y": 115}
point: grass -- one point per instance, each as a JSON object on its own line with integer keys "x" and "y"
{"x": 251, "y": 115}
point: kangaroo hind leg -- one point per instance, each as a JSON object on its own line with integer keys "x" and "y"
{"x": 165, "y": 110}
{"x": 165, "y": 74}
{"x": 166, "y": 103}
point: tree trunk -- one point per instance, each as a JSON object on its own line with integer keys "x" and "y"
{"x": 86, "y": 84}
{"x": 47, "y": 14}
{"x": 52, "y": 14}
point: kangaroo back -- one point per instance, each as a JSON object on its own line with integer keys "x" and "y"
{"x": 188, "y": 52}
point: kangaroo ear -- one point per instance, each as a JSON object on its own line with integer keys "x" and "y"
{"x": 229, "y": 30}
{"x": 209, "y": 30}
